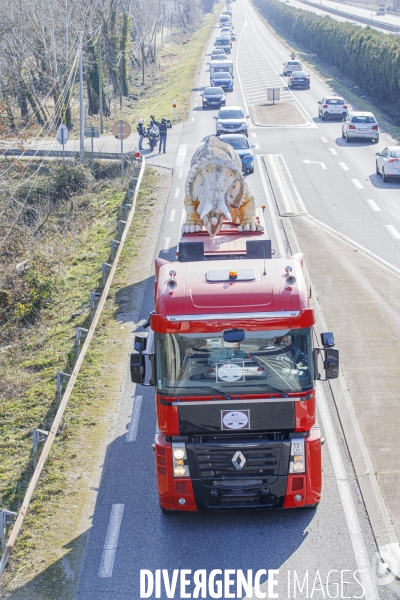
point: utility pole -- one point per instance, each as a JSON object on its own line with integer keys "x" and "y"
{"x": 121, "y": 66}
{"x": 143, "y": 60}
{"x": 81, "y": 107}
{"x": 100, "y": 87}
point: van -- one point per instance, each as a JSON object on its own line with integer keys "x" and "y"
{"x": 220, "y": 66}
{"x": 223, "y": 42}
{"x": 224, "y": 19}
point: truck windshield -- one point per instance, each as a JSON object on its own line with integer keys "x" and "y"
{"x": 190, "y": 364}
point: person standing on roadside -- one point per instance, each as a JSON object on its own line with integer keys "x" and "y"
{"x": 163, "y": 126}
{"x": 142, "y": 132}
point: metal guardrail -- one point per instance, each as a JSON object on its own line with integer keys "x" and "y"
{"x": 4, "y": 152}
{"x": 72, "y": 379}
{"x": 341, "y": 13}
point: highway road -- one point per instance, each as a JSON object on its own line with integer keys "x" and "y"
{"x": 336, "y": 183}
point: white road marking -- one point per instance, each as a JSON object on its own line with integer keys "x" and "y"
{"x": 393, "y": 232}
{"x": 256, "y": 146}
{"x": 110, "y": 545}
{"x": 167, "y": 243}
{"x": 324, "y": 139}
{"x": 180, "y": 174}
{"x": 177, "y": 192}
{"x": 350, "y": 512}
{"x": 271, "y": 208}
{"x": 343, "y": 166}
{"x": 134, "y": 422}
{"x": 172, "y": 215}
{"x": 333, "y": 152}
{"x": 253, "y": 134}
{"x": 373, "y": 205}
{"x": 314, "y": 162}
{"x": 192, "y": 119}
{"x": 181, "y": 155}
{"x": 195, "y": 104}
{"x": 357, "y": 184}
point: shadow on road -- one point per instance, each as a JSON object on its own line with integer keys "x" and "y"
{"x": 377, "y": 182}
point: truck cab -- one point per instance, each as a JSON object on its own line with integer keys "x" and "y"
{"x": 234, "y": 369}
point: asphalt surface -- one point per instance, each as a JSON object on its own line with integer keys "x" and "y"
{"x": 129, "y": 532}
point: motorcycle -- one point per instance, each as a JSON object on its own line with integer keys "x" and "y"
{"x": 153, "y": 134}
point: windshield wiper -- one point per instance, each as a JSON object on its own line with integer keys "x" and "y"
{"x": 269, "y": 387}
{"x": 201, "y": 387}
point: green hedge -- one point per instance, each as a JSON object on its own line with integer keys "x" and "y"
{"x": 368, "y": 57}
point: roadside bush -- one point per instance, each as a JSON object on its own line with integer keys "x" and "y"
{"x": 69, "y": 180}
{"x": 368, "y": 57}
{"x": 107, "y": 170}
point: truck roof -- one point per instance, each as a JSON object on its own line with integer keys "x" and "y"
{"x": 205, "y": 289}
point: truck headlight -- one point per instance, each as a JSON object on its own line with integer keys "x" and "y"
{"x": 179, "y": 460}
{"x": 297, "y": 456}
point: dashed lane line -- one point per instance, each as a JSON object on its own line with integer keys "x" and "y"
{"x": 172, "y": 215}
{"x": 333, "y": 151}
{"x": 111, "y": 542}
{"x": 373, "y": 205}
{"x": 357, "y": 184}
{"x": 134, "y": 422}
{"x": 393, "y": 232}
{"x": 345, "y": 168}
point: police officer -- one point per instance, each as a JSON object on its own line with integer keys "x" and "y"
{"x": 142, "y": 132}
{"x": 163, "y": 126}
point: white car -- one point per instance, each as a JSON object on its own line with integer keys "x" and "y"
{"x": 388, "y": 163}
{"x": 332, "y": 106}
{"x": 231, "y": 119}
{"x": 360, "y": 125}
{"x": 292, "y": 65}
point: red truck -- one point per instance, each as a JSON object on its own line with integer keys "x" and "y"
{"x": 234, "y": 369}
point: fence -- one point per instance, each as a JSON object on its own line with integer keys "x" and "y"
{"x": 48, "y": 437}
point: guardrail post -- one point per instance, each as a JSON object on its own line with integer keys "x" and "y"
{"x": 104, "y": 268}
{"x": 7, "y": 517}
{"x": 130, "y": 192}
{"x": 94, "y": 297}
{"x": 127, "y": 208}
{"x": 114, "y": 243}
{"x": 38, "y": 435}
{"x": 81, "y": 332}
{"x": 121, "y": 225}
{"x": 133, "y": 183}
{"x": 61, "y": 377}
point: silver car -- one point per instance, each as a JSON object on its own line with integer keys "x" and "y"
{"x": 388, "y": 163}
{"x": 292, "y": 65}
{"x": 232, "y": 120}
{"x": 360, "y": 125}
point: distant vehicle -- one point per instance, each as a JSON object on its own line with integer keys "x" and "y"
{"x": 332, "y": 106}
{"x": 232, "y": 120}
{"x": 381, "y": 9}
{"x": 388, "y": 163}
{"x": 241, "y": 144}
{"x": 226, "y": 31}
{"x": 224, "y": 80}
{"x": 292, "y": 65}
{"x": 218, "y": 51}
{"x": 228, "y": 354}
{"x": 213, "y": 97}
{"x": 218, "y": 57}
{"x": 232, "y": 35}
{"x": 361, "y": 125}
{"x": 299, "y": 79}
{"x": 224, "y": 19}
{"x": 228, "y": 12}
{"x": 223, "y": 42}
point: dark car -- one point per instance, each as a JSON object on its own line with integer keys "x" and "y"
{"x": 213, "y": 97}
{"x": 299, "y": 79}
{"x": 241, "y": 144}
{"x": 223, "y": 80}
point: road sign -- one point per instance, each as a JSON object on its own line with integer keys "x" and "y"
{"x": 93, "y": 132}
{"x": 121, "y": 130}
{"x": 62, "y": 134}
{"x": 274, "y": 94}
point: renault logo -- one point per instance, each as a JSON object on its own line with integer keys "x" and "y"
{"x": 238, "y": 460}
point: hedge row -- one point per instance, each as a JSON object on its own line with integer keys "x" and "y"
{"x": 368, "y": 57}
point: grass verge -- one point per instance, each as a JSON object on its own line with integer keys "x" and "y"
{"x": 30, "y": 368}
{"x": 339, "y": 83}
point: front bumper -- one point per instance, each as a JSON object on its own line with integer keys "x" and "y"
{"x": 222, "y": 130}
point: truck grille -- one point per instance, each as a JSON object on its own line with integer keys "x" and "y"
{"x": 219, "y": 462}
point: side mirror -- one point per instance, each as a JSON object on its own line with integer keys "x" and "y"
{"x": 215, "y": 117}
{"x": 247, "y": 116}
{"x": 138, "y": 368}
{"x": 233, "y": 77}
{"x": 253, "y": 146}
{"x": 319, "y": 102}
{"x": 331, "y": 363}
{"x": 378, "y": 154}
